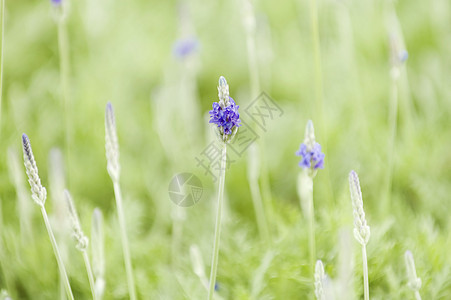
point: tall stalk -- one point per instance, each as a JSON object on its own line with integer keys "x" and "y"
{"x": 113, "y": 168}
{"x": 61, "y": 14}
{"x": 90, "y": 276}
{"x": 124, "y": 240}
{"x": 361, "y": 228}
{"x": 59, "y": 260}
{"x": 319, "y": 92}
{"x": 39, "y": 195}
{"x": 1, "y": 56}
{"x": 311, "y": 217}
{"x": 215, "y": 256}
{"x": 81, "y": 239}
{"x": 250, "y": 28}
{"x": 226, "y": 117}
{"x": 393, "y": 126}
{"x": 312, "y": 160}
{"x": 253, "y": 172}
{"x": 318, "y": 64}
{"x": 366, "y": 288}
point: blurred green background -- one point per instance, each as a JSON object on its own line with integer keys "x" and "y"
{"x": 123, "y": 52}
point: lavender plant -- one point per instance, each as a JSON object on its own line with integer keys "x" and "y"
{"x": 227, "y": 120}
{"x": 312, "y": 160}
{"x": 361, "y": 229}
{"x": 398, "y": 57}
{"x": 39, "y": 195}
{"x": 80, "y": 238}
{"x": 414, "y": 282}
{"x": 113, "y": 168}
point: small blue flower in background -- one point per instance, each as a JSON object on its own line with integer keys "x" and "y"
{"x": 313, "y": 158}
{"x": 310, "y": 150}
{"x": 184, "y": 47}
{"x": 56, "y": 2}
{"x": 403, "y": 56}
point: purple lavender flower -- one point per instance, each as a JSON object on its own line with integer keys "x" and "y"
{"x": 311, "y": 158}
{"x": 56, "y": 2}
{"x": 227, "y": 117}
{"x": 225, "y": 112}
{"x": 184, "y": 47}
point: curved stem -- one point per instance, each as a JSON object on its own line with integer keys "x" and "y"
{"x": 214, "y": 260}
{"x": 124, "y": 240}
{"x": 90, "y": 276}
{"x": 366, "y": 288}
{"x": 59, "y": 260}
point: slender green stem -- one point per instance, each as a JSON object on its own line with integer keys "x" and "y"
{"x": 124, "y": 240}
{"x": 417, "y": 295}
{"x": 253, "y": 65}
{"x": 1, "y": 57}
{"x": 393, "y": 117}
{"x": 63, "y": 47}
{"x": 215, "y": 256}
{"x": 259, "y": 211}
{"x": 366, "y": 288}
{"x": 62, "y": 288}
{"x": 312, "y": 242}
{"x": 318, "y": 66}
{"x": 255, "y": 90}
{"x": 59, "y": 260}
{"x": 90, "y": 276}
{"x": 319, "y": 88}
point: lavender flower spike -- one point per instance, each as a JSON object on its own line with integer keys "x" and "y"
{"x": 310, "y": 150}
{"x": 80, "y": 238}
{"x": 38, "y": 192}
{"x": 225, "y": 113}
{"x": 361, "y": 229}
{"x": 111, "y": 143}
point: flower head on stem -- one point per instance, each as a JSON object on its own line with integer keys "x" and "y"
{"x": 310, "y": 151}
{"x": 225, "y": 113}
{"x": 38, "y": 192}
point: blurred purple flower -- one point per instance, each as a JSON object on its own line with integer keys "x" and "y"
{"x": 184, "y": 47}
{"x": 403, "y": 56}
{"x": 311, "y": 159}
{"x": 56, "y": 2}
{"x": 227, "y": 117}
